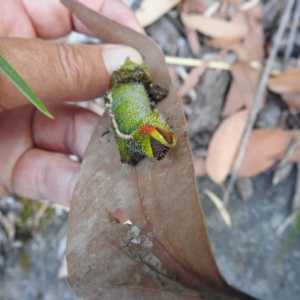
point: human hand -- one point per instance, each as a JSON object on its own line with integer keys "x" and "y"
{"x": 33, "y": 147}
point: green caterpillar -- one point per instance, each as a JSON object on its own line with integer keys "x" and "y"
{"x": 138, "y": 129}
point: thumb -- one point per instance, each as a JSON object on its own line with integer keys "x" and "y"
{"x": 60, "y": 72}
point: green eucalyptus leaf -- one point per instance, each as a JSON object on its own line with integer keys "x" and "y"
{"x": 20, "y": 83}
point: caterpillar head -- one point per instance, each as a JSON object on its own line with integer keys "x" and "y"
{"x": 155, "y": 140}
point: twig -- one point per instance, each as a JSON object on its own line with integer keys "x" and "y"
{"x": 292, "y": 35}
{"x": 219, "y": 65}
{"x": 296, "y": 198}
{"x": 192, "y": 62}
{"x": 257, "y": 101}
{"x": 289, "y": 220}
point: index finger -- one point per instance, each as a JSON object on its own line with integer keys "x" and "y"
{"x": 51, "y": 19}
{"x": 60, "y": 72}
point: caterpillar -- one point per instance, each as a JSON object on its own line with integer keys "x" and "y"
{"x": 138, "y": 128}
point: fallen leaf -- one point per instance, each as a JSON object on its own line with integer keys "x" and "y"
{"x": 151, "y": 10}
{"x": 252, "y": 47}
{"x": 214, "y": 27}
{"x": 293, "y": 102}
{"x": 193, "y": 40}
{"x": 234, "y": 100}
{"x": 265, "y": 148}
{"x": 286, "y": 83}
{"x": 157, "y": 257}
{"x": 254, "y": 13}
{"x": 224, "y": 145}
{"x": 245, "y": 79}
{"x": 220, "y": 206}
{"x": 243, "y": 88}
{"x": 223, "y": 42}
{"x": 197, "y": 5}
{"x": 193, "y": 78}
{"x": 199, "y": 166}
{"x": 195, "y": 73}
{"x": 223, "y": 10}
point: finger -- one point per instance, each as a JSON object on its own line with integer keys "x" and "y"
{"x": 113, "y": 9}
{"x": 12, "y": 26}
{"x": 60, "y": 72}
{"x": 45, "y": 175}
{"x": 70, "y": 132}
{"x": 51, "y": 19}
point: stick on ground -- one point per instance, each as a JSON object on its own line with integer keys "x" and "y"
{"x": 257, "y": 100}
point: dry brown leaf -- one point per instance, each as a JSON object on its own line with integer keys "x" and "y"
{"x": 234, "y": 100}
{"x": 286, "y": 83}
{"x": 157, "y": 257}
{"x": 214, "y": 27}
{"x": 239, "y": 20}
{"x": 265, "y": 147}
{"x": 151, "y": 10}
{"x": 193, "y": 40}
{"x": 245, "y": 79}
{"x": 243, "y": 88}
{"x": 296, "y": 156}
{"x": 253, "y": 11}
{"x": 193, "y": 78}
{"x": 199, "y": 166}
{"x": 195, "y": 73}
{"x": 252, "y": 48}
{"x": 293, "y": 102}
{"x": 222, "y": 12}
{"x": 224, "y": 146}
{"x": 197, "y": 5}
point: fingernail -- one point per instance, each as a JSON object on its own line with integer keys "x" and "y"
{"x": 114, "y": 56}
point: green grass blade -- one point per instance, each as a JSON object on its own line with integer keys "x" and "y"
{"x": 20, "y": 83}
{"x": 292, "y": 234}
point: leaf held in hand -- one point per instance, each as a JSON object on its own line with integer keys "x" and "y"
{"x": 24, "y": 88}
{"x": 165, "y": 253}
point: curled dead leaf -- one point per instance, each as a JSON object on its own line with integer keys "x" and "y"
{"x": 293, "y": 102}
{"x": 193, "y": 40}
{"x": 265, "y": 148}
{"x": 224, "y": 145}
{"x": 243, "y": 88}
{"x": 151, "y": 10}
{"x": 214, "y": 27}
{"x": 197, "y": 5}
{"x": 223, "y": 42}
{"x": 286, "y": 83}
